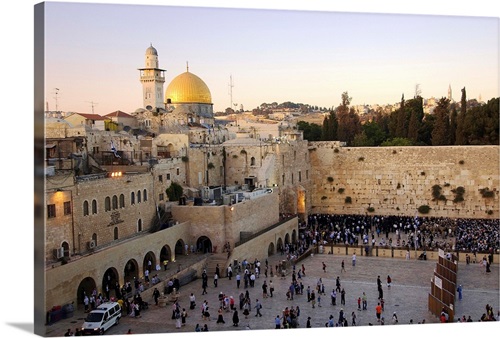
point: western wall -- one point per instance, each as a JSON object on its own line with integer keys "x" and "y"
{"x": 398, "y": 180}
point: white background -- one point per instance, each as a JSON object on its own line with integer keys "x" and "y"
{"x": 17, "y": 17}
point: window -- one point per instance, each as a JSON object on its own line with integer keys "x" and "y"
{"x": 94, "y": 207}
{"x": 307, "y": 174}
{"x": 115, "y": 233}
{"x": 67, "y": 208}
{"x": 300, "y": 176}
{"x": 178, "y": 171}
{"x": 145, "y": 195}
{"x": 168, "y": 177}
{"x": 161, "y": 197}
{"x": 139, "y": 196}
{"x": 283, "y": 179}
{"x": 122, "y": 201}
{"x": 51, "y": 211}
{"x": 292, "y": 178}
{"x": 115, "y": 202}
{"x": 107, "y": 204}
{"x": 132, "y": 198}
{"x": 252, "y": 160}
{"x": 85, "y": 208}
{"x": 139, "y": 225}
{"x": 160, "y": 178}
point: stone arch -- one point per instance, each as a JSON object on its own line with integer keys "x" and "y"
{"x": 203, "y": 244}
{"x": 110, "y": 277}
{"x": 294, "y": 236}
{"x": 287, "y": 238}
{"x": 150, "y": 256}
{"x": 65, "y": 245}
{"x": 130, "y": 270}
{"x": 279, "y": 244}
{"x": 271, "y": 249}
{"x": 165, "y": 254}
{"x": 179, "y": 247}
{"x": 85, "y": 288}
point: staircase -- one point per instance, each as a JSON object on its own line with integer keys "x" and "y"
{"x": 213, "y": 260}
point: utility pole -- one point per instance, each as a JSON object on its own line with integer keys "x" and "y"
{"x": 231, "y": 85}
{"x": 56, "y": 98}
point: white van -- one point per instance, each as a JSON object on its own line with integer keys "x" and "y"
{"x": 102, "y": 318}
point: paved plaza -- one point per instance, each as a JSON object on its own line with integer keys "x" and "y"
{"x": 408, "y": 296}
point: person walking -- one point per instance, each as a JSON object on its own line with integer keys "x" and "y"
{"x": 216, "y": 278}
{"x": 236, "y": 318}
{"x": 271, "y": 288}
{"x": 238, "y": 280}
{"x": 183, "y": 317}
{"x": 342, "y": 297}
{"x": 342, "y": 266}
{"x": 264, "y": 289}
{"x": 365, "y": 302}
{"x": 220, "y": 317}
{"x": 354, "y": 259}
{"x": 313, "y": 299}
{"x": 353, "y": 319}
{"x": 258, "y": 306}
{"x": 389, "y": 281}
{"x": 324, "y": 266}
{"x": 333, "y": 296}
{"x": 378, "y": 312}
{"x": 459, "y": 290}
{"x": 308, "y": 323}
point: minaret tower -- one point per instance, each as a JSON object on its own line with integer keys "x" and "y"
{"x": 152, "y": 79}
{"x": 449, "y": 93}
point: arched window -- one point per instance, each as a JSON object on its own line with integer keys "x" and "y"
{"x": 139, "y": 196}
{"x": 252, "y": 160}
{"x": 139, "y": 225}
{"x": 115, "y": 233}
{"x": 115, "y": 202}
{"x": 107, "y": 204}
{"x": 132, "y": 198}
{"x": 94, "y": 207}
{"x": 94, "y": 238}
{"x": 122, "y": 201}
{"x": 145, "y": 195}
{"x": 85, "y": 208}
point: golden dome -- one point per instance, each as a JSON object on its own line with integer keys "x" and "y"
{"x": 188, "y": 88}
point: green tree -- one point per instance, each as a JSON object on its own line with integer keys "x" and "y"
{"x": 416, "y": 112}
{"x": 401, "y": 120}
{"x": 440, "y": 135}
{"x": 330, "y": 126}
{"x": 460, "y": 136}
{"x": 397, "y": 142}
{"x": 312, "y": 131}
{"x": 453, "y": 124}
{"x": 349, "y": 123}
{"x": 174, "y": 191}
{"x": 372, "y": 135}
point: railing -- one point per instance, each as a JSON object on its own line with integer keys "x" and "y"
{"x": 260, "y": 232}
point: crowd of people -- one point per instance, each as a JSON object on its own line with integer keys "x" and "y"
{"x": 430, "y": 233}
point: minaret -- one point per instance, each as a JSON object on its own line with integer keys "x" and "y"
{"x": 449, "y": 93}
{"x": 152, "y": 79}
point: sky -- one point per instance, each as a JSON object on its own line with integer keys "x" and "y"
{"x": 93, "y": 52}
{"x": 17, "y": 59}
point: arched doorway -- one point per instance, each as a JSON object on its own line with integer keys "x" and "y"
{"x": 165, "y": 255}
{"x": 270, "y": 249}
{"x": 85, "y": 288}
{"x": 179, "y": 248}
{"x": 287, "y": 239}
{"x": 65, "y": 245}
{"x": 150, "y": 257}
{"x": 294, "y": 236}
{"x": 130, "y": 271}
{"x": 279, "y": 245}
{"x": 204, "y": 244}
{"x": 110, "y": 279}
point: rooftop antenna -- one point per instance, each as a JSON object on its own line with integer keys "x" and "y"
{"x": 92, "y": 105}
{"x": 231, "y": 85}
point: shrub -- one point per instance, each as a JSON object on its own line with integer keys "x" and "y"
{"x": 336, "y": 150}
{"x": 489, "y": 212}
{"x": 185, "y": 159}
{"x": 370, "y": 209}
{"x": 348, "y": 200}
{"x": 174, "y": 191}
{"x": 424, "y": 209}
{"x": 210, "y": 165}
{"x": 461, "y": 162}
{"x": 330, "y": 179}
{"x": 341, "y": 190}
{"x": 399, "y": 186}
{"x": 323, "y": 197}
{"x": 361, "y": 158}
{"x": 235, "y": 156}
{"x": 486, "y": 193}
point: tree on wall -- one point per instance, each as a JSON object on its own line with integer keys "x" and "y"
{"x": 460, "y": 138}
{"x": 174, "y": 191}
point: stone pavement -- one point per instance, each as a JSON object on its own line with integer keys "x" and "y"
{"x": 408, "y": 296}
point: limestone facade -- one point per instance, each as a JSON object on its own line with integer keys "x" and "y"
{"x": 397, "y": 180}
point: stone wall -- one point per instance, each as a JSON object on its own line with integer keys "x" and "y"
{"x": 63, "y": 281}
{"x": 397, "y": 180}
{"x": 224, "y": 223}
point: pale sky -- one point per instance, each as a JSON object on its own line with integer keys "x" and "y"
{"x": 309, "y": 56}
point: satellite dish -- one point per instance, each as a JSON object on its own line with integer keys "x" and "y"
{"x": 148, "y": 107}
